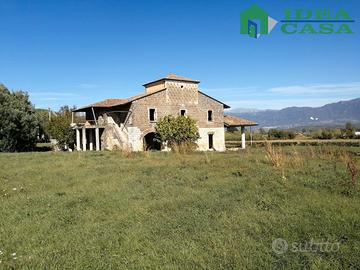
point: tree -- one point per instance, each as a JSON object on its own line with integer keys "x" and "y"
{"x": 262, "y": 131}
{"x": 280, "y": 134}
{"x": 326, "y": 134}
{"x": 18, "y": 122}
{"x": 44, "y": 124}
{"x": 176, "y": 131}
{"x": 60, "y": 128}
{"x": 349, "y": 130}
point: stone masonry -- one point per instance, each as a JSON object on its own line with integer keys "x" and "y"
{"x": 169, "y": 95}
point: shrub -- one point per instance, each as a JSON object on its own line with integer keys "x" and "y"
{"x": 236, "y": 136}
{"x": 280, "y": 134}
{"x": 334, "y": 133}
{"x": 60, "y": 128}
{"x": 18, "y": 122}
{"x": 349, "y": 131}
{"x": 326, "y": 134}
{"x": 176, "y": 131}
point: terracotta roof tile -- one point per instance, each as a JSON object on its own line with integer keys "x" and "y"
{"x": 109, "y": 102}
{"x": 230, "y": 120}
{"x": 173, "y": 77}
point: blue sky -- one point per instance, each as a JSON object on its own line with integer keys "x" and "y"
{"x": 78, "y": 52}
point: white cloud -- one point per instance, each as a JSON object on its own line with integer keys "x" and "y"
{"x": 279, "y": 103}
{"x": 353, "y": 87}
{"x": 312, "y": 95}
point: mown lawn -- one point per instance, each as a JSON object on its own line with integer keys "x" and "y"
{"x": 107, "y": 210}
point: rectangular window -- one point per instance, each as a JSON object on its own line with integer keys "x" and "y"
{"x": 211, "y": 140}
{"x": 210, "y": 116}
{"x": 152, "y": 115}
{"x": 182, "y": 112}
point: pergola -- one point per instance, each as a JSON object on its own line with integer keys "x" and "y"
{"x": 232, "y": 121}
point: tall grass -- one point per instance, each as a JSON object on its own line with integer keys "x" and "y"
{"x": 155, "y": 210}
{"x": 352, "y": 171}
{"x": 296, "y": 158}
{"x": 276, "y": 158}
{"x": 184, "y": 148}
{"x": 274, "y": 155}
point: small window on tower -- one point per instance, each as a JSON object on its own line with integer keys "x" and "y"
{"x": 210, "y": 116}
{"x": 183, "y": 112}
{"x": 152, "y": 115}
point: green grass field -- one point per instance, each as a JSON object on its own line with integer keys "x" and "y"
{"x": 108, "y": 210}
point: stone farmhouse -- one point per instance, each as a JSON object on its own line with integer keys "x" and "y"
{"x": 130, "y": 123}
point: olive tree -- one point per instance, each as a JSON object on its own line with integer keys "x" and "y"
{"x": 18, "y": 122}
{"x": 177, "y": 131}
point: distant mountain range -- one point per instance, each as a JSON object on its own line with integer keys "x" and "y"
{"x": 328, "y": 115}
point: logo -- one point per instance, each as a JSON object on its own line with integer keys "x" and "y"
{"x": 254, "y": 22}
{"x": 318, "y": 21}
{"x": 279, "y": 246}
{"x": 251, "y": 18}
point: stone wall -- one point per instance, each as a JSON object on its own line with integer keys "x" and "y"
{"x": 177, "y": 96}
{"x": 218, "y": 139}
{"x": 115, "y": 136}
{"x": 135, "y": 138}
{"x": 153, "y": 87}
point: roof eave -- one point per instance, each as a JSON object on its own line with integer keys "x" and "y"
{"x": 129, "y": 101}
{"x": 98, "y": 106}
{"x": 171, "y": 79}
{"x": 225, "y": 105}
{"x": 244, "y": 125}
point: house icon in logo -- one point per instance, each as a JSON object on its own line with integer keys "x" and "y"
{"x": 251, "y": 18}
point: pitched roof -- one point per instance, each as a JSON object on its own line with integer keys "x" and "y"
{"x": 173, "y": 77}
{"x": 233, "y": 121}
{"x": 111, "y": 102}
{"x": 225, "y": 106}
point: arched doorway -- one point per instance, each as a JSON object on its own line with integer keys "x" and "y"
{"x": 150, "y": 143}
